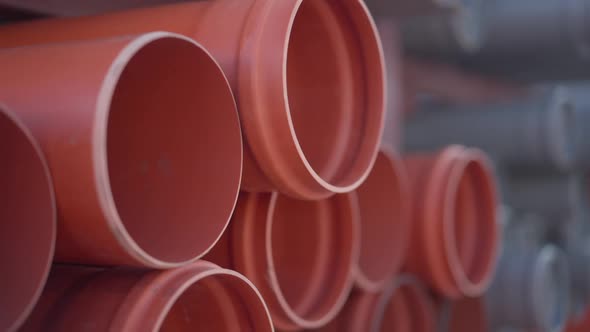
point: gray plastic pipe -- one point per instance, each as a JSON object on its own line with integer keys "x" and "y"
{"x": 404, "y": 8}
{"x": 579, "y": 261}
{"x": 536, "y": 131}
{"x": 444, "y": 34}
{"x": 390, "y": 39}
{"x": 526, "y": 40}
{"x": 557, "y": 197}
{"x": 580, "y": 95}
{"x": 530, "y": 290}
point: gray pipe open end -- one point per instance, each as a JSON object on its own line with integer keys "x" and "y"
{"x": 444, "y": 34}
{"x": 550, "y": 294}
{"x": 531, "y": 290}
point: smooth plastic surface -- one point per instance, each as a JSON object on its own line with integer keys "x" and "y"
{"x": 198, "y": 296}
{"x": 384, "y": 201}
{"x": 560, "y": 198}
{"x": 531, "y": 290}
{"x": 444, "y": 34}
{"x": 402, "y": 8}
{"x": 533, "y": 131}
{"x": 467, "y": 315}
{"x": 558, "y": 49}
{"x": 308, "y": 77}
{"x": 28, "y": 221}
{"x": 300, "y": 254}
{"x": 143, "y": 142}
{"x": 455, "y": 238}
{"x": 403, "y": 306}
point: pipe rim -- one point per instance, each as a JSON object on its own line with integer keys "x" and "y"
{"x": 462, "y": 274}
{"x": 100, "y": 153}
{"x": 159, "y": 291}
{"x": 436, "y": 194}
{"x": 339, "y": 291}
{"x": 294, "y": 175}
{"x": 445, "y": 268}
{"x": 560, "y": 121}
{"x": 36, "y": 149}
{"x": 550, "y": 267}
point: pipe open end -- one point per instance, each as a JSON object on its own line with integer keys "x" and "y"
{"x": 385, "y": 227}
{"x": 475, "y": 226}
{"x": 174, "y": 151}
{"x": 335, "y": 91}
{"x": 28, "y": 227}
{"x": 218, "y": 302}
{"x": 313, "y": 247}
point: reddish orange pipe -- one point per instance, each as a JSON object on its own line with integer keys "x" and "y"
{"x": 467, "y": 315}
{"x": 308, "y": 76}
{"x": 403, "y": 307}
{"x": 455, "y": 237}
{"x": 143, "y": 142}
{"x": 300, "y": 254}
{"x": 384, "y": 201}
{"x": 28, "y": 221}
{"x": 199, "y": 296}
{"x": 579, "y": 324}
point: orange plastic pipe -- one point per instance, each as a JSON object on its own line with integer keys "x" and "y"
{"x": 404, "y": 306}
{"x": 143, "y": 142}
{"x": 27, "y": 221}
{"x": 308, "y": 77}
{"x": 468, "y": 315}
{"x": 384, "y": 202}
{"x": 455, "y": 235}
{"x": 198, "y": 296}
{"x": 300, "y": 254}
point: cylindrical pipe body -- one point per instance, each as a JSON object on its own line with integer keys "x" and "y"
{"x": 559, "y": 198}
{"x": 444, "y": 35}
{"x": 404, "y": 306}
{"x": 535, "y": 131}
{"x": 127, "y": 126}
{"x": 197, "y": 296}
{"x": 455, "y": 236}
{"x": 308, "y": 77}
{"x": 385, "y": 225}
{"x": 27, "y": 221}
{"x": 402, "y": 8}
{"x": 530, "y": 290}
{"x": 557, "y": 49}
{"x": 300, "y": 254}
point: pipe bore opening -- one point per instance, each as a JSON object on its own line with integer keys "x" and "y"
{"x": 477, "y": 230}
{"x": 465, "y": 225}
{"x": 312, "y": 253}
{"x": 334, "y": 89}
{"x": 217, "y": 303}
{"x": 174, "y": 150}
{"x": 384, "y": 231}
{"x": 27, "y": 229}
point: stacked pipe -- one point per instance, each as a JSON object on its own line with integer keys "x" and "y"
{"x": 537, "y": 139}
{"x": 173, "y": 206}
{"x": 505, "y": 45}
